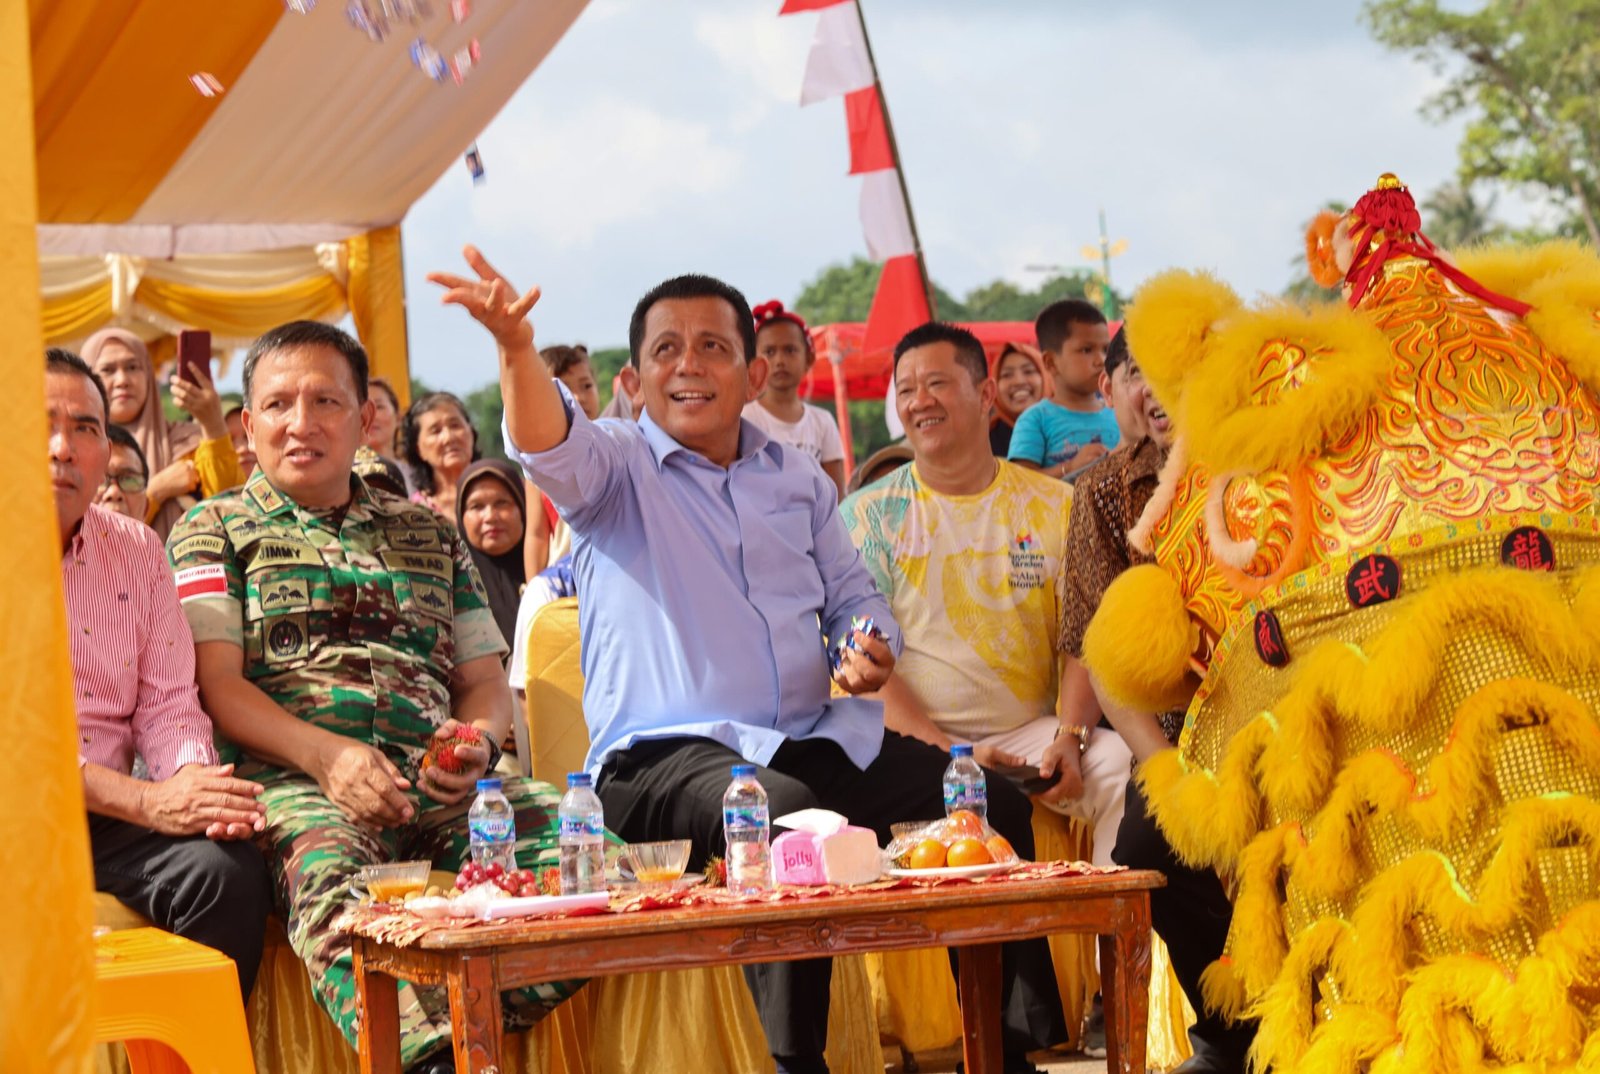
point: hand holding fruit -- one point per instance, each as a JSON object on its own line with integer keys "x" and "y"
{"x": 457, "y": 758}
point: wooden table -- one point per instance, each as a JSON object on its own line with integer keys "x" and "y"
{"x": 476, "y": 964}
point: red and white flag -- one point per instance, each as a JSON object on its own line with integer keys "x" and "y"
{"x": 840, "y": 65}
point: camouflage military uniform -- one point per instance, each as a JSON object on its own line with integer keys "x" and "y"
{"x": 352, "y": 620}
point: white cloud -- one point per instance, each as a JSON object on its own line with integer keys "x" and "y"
{"x": 564, "y": 178}
{"x": 662, "y": 137}
{"x": 767, "y": 52}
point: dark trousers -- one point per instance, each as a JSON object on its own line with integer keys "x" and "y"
{"x": 672, "y": 789}
{"x": 210, "y": 892}
{"x": 1191, "y": 915}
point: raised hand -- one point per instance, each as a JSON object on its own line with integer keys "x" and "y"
{"x": 202, "y": 402}
{"x": 491, "y": 300}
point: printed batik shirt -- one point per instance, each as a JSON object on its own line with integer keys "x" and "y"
{"x": 352, "y": 619}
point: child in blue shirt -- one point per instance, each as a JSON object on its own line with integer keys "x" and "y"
{"x": 1062, "y": 435}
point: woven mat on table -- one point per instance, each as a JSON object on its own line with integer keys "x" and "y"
{"x": 404, "y": 929}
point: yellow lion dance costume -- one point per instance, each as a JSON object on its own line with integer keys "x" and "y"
{"x": 1377, "y": 589}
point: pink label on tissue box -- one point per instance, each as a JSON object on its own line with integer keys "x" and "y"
{"x": 797, "y": 858}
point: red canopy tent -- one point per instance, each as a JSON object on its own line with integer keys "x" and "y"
{"x": 866, "y": 375}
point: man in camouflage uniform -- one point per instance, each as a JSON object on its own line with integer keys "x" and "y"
{"x": 338, "y": 630}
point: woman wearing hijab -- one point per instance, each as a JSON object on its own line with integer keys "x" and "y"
{"x": 1019, "y": 374}
{"x": 184, "y": 458}
{"x": 493, "y": 516}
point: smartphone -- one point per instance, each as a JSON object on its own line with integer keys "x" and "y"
{"x": 1027, "y": 777}
{"x": 194, "y": 352}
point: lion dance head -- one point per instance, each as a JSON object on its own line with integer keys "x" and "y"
{"x": 1376, "y": 588}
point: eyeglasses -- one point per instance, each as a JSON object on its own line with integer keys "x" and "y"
{"x": 129, "y": 483}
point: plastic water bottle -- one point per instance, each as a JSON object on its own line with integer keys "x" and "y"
{"x": 748, "y": 830}
{"x": 964, "y": 785}
{"x": 583, "y": 838}
{"x": 492, "y": 827}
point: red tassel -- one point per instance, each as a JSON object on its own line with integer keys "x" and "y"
{"x": 1388, "y": 215}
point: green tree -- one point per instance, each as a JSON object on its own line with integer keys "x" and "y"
{"x": 1454, "y": 217}
{"x": 1527, "y": 75}
{"x": 607, "y": 362}
{"x": 843, "y": 292}
{"x": 486, "y": 408}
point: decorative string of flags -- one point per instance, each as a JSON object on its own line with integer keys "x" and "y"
{"x": 841, "y": 65}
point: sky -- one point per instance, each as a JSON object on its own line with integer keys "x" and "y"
{"x": 665, "y": 136}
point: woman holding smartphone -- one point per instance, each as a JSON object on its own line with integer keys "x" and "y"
{"x": 188, "y": 460}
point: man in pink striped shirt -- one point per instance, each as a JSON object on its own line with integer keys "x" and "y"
{"x": 176, "y": 847}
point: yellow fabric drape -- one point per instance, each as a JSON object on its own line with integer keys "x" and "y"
{"x": 113, "y": 106}
{"x": 75, "y": 315}
{"x": 377, "y": 295}
{"x": 244, "y": 313}
{"x": 237, "y": 297}
{"x": 45, "y": 992}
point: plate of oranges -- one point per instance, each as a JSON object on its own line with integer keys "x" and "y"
{"x": 961, "y": 846}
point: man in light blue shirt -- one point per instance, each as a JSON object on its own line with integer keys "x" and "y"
{"x": 712, "y": 563}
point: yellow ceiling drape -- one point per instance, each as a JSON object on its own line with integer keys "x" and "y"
{"x": 77, "y": 313}
{"x": 247, "y": 313}
{"x": 45, "y": 928}
{"x": 237, "y": 297}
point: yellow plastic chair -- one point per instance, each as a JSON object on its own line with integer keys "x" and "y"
{"x": 682, "y": 1020}
{"x": 173, "y": 1003}
{"x": 558, "y": 737}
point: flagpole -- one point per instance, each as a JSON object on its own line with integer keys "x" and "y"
{"x": 899, "y": 170}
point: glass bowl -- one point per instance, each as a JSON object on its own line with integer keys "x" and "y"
{"x": 393, "y": 882}
{"x": 656, "y": 864}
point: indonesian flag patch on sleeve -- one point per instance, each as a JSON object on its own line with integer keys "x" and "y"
{"x": 197, "y": 582}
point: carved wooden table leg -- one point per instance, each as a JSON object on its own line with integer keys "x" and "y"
{"x": 1125, "y": 986}
{"x": 378, "y": 1015}
{"x": 978, "y": 986}
{"x": 475, "y": 1015}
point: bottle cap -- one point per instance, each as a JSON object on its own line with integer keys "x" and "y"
{"x": 579, "y": 779}
{"x": 488, "y": 785}
{"x": 961, "y": 749}
{"x": 744, "y": 771}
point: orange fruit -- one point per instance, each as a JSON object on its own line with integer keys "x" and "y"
{"x": 964, "y": 822}
{"x": 928, "y": 854}
{"x": 964, "y": 852}
{"x": 1000, "y": 849}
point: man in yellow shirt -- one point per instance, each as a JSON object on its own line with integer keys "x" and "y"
{"x": 968, "y": 549}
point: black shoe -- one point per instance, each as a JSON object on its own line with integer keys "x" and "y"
{"x": 799, "y": 1064}
{"x": 443, "y": 1062}
{"x": 1094, "y": 1030}
{"x": 1209, "y": 1059}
